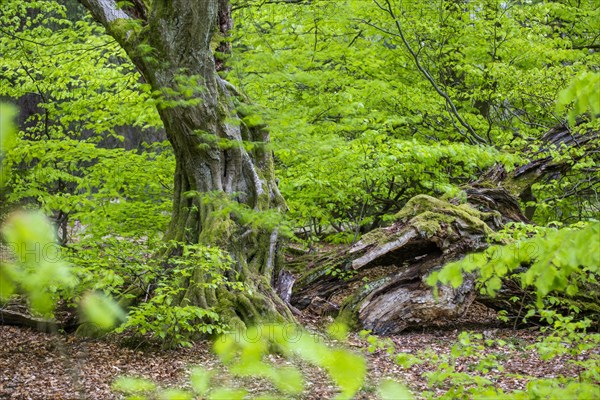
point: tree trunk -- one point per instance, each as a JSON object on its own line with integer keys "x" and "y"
{"x": 217, "y": 179}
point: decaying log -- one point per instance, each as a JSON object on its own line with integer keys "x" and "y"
{"x": 10, "y": 317}
{"x": 379, "y": 282}
{"x": 16, "y": 312}
{"x": 394, "y": 260}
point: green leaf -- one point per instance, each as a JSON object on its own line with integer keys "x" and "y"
{"x": 391, "y": 390}
{"x": 101, "y": 310}
{"x": 289, "y": 380}
{"x": 200, "y": 380}
{"x": 175, "y": 394}
{"x": 452, "y": 274}
{"x": 7, "y": 127}
{"x": 338, "y": 330}
{"x": 7, "y": 281}
{"x": 33, "y": 235}
{"x": 132, "y": 385}
{"x": 493, "y": 285}
{"x": 227, "y": 394}
{"x": 39, "y": 269}
{"x": 348, "y": 371}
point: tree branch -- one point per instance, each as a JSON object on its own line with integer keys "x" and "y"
{"x": 471, "y": 134}
{"x": 104, "y": 11}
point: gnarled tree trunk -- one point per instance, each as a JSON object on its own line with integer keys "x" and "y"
{"x": 173, "y": 44}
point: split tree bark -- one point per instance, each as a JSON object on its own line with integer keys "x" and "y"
{"x": 173, "y": 44}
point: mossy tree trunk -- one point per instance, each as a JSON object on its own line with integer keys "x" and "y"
{"x": 173, "y": 44}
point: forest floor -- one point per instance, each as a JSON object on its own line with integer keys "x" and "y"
{"x": 36, "y": 365}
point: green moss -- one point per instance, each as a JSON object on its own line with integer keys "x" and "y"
{"x": 427, "y": 214}
{"x": 125, "y": 29}
{"x": 375, "y": 236}
{"x": 518, "y": 186}
{"x": 217, "y": 231}
{"x": 349, "y": 309}
{"x": 263, "y": 201}
{"x": 312, "y": 275}
{"x": 587, "y": 306}
{"x": 428, "y": 223}
{"x": 216, "y": 41}
{"x": 348, "y": 317}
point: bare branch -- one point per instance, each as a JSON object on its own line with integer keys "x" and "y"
{"x": 471, "y": 134}
{"x": 105, "y": 11}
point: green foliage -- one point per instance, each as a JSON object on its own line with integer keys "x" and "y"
{"x": 169, "y": 324}
{"x": 560, "y": 260}
{"x": 7, "y": 136}
{"x": 376, "y": 344}
{"x": 225, "y": 207}
{"x": 82, "y": 95}
{"x": 557, "y": 264}
{"x": 163, "y": 317}
{"x": 7, "y": 128}
{"x": 358, "y": 129}
{"x": 445, "y": 374}
{"x": 449, "y": 379}
{"x": 583, "y": 93}
{"x": 390, "y": 390}
{"x": 134, "y": 387}
{"x": 200, "y": 380}
{"x": 341, "y": 273}
{"x": 102, "y": 311}
{"x": 81, "y": 75}
{"x": 37, "y": 269}
{"x": 106, "y": 190}
{"x": 568, "y": 335}
{"x": 35, "y": 265}
{"x": 112, "y": 203}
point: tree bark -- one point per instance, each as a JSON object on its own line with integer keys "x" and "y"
{"x": 173, "y": 44}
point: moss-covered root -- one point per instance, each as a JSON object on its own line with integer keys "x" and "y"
{"x": 256, "y": 304}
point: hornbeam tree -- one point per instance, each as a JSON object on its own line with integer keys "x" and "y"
{"x": 175, "y": 44}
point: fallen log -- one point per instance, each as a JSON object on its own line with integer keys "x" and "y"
{"x": 393, "y": 261}
{"x": 11, "y": 317}
{"x": 16, "y": 312}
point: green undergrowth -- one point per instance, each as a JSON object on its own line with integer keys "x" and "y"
{"x": 164, "y": 317}
{"x": 563, "y": 261}
{"x": 560, "y": 268}
{"x": 471, "y": 367}
{"x": 245, "y": 355}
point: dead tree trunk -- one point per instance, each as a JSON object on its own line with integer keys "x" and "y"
{"x": 394, "y": 261}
